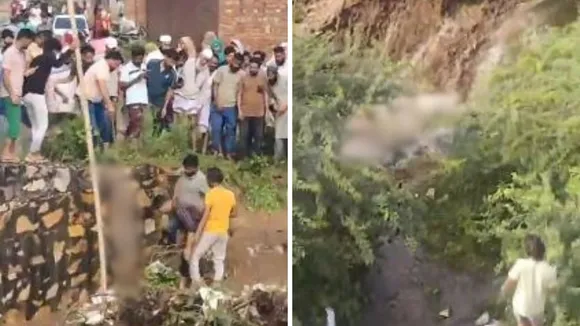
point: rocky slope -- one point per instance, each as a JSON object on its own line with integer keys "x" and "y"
{"x": 445, "y": 40}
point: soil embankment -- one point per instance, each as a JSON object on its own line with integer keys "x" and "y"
{"x": 445, "y": 40}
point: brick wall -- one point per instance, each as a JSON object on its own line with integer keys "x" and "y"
{"x": 136, "y": 10}
{"x": 260, "y": 24}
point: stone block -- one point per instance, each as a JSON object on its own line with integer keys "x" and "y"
{"x": 51, "y": 219}
{"x": 23, "y": 224}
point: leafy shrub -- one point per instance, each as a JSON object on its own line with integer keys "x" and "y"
{"x": 68, "y": 144}
{"x": 523, "y": 166}
{"x": 514, "y": 169}
{"x": 261, "y": 181}
{"x": 339, "y": 212}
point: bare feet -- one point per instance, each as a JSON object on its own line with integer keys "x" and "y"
{"x": 35, "y": 158}
{"x": 9, "y": 159}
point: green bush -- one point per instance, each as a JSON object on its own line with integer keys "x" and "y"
{"x": 261, "y": 182}
{"x": 68, "y": 144}
{"x": 514, "y": 169}
{"x": 338, "y": 211}
{"x": 522, "y": 167}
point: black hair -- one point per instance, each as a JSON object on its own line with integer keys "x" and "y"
{"x": 238, "y": 56}
{"x": 255, "y": 60}
{"x": 229, "y": 49}
{"x": 214, "y": 176}
{"x": 7, "y": 33}
{"x": 182, "y": 56}
{"x": 261, "y": 54}
{"x": 279, "y": 49}
{"x": 51, "y": 44}
{"x": 247, "y": 54}
{"x": 190, "y": 161}
{"x": 87, "y": 48}
{"x": 534, "y": 247}
{"x": 46, "y": 34}
{"x": 171, "y": 54}
{"x": 25, "y": 33}
{"x": 114, "y": 55}
{"x": 137, "y": 51}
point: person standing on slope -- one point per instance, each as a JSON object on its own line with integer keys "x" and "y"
{"x": 533, "y": 280}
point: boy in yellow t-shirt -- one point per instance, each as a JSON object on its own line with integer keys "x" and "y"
{"x": 212, "y": 233}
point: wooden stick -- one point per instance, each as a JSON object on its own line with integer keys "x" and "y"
{"x": 90, "y": 149}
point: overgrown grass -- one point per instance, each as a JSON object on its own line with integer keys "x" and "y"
{"x": 261, "y": 182}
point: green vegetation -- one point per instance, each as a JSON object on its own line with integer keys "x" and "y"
{"x": 261, "y": 182}
{"x": 515, "y": 169}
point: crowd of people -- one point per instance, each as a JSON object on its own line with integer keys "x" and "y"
{"x": 229, "y": 97}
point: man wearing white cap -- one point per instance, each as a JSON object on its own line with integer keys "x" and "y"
{"x": 111, "y": 43}
{"x": 164, "y": 43}
{"x": 188, "y": 99}
{"x": 279, "y": 59}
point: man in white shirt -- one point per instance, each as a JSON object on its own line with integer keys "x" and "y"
{"x": 101, "y": 108}
{"x": 126, "y": 25}
{"x": 533, "y": 280}
{"x": 164, "y": 43}
{"x": 279, "y": 60}
{"x": 134, "y": 85}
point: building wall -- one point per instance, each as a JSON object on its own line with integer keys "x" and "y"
{"x": 137, "y": 11}
{"x": 182, "y": 18}
{"x": 260, "y": 24}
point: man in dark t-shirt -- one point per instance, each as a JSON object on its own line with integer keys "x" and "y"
{"x": 161, "y": 79}
{"x": 33, "y": 91}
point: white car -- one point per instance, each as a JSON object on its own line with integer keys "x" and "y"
{"x": 62, "y": 24}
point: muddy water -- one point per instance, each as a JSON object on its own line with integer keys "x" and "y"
{"x": 408, "y": 290}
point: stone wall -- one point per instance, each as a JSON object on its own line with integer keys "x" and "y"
{"x": 48, "y": 236}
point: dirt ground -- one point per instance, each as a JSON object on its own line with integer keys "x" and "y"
{"x": 257, "y": 251}
{"x": 256, "y": 254}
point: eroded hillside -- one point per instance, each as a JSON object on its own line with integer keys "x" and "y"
{"x": 446, "y": 40}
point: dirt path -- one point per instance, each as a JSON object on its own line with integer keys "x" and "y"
{"x": 256, "y": 254}
{"x": 257, "y": 250}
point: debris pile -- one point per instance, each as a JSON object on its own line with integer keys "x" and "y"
{"x": 167, "y": 305}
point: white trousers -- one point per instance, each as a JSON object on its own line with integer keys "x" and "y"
{"x": 38, "y": 112}
{"x": 217, "y": 244}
